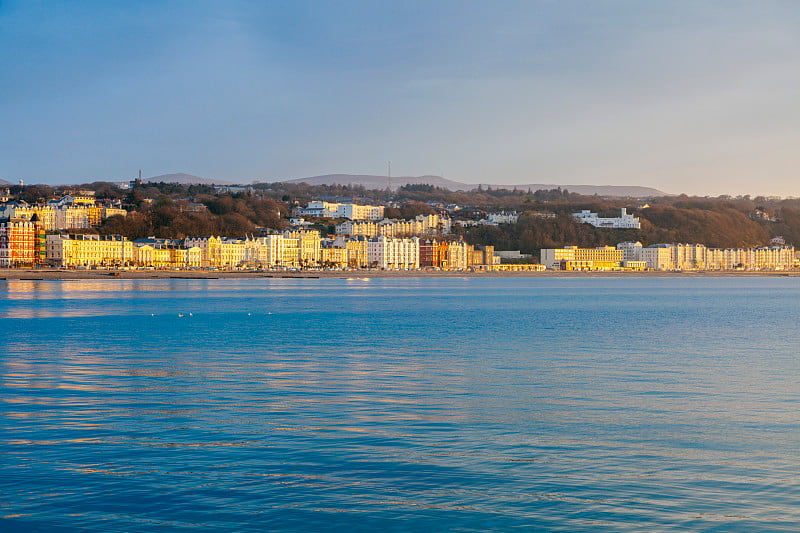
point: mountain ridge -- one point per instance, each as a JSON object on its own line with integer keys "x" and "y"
{"x": 371, "y": 181}
{"x": 186, "y": 179}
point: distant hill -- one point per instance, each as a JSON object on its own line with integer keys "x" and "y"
{"x": 185, "y": 179}
{"x": 370, "y": 181}
{"x": 4, "y": 183}
{"x": 381, "y": 182}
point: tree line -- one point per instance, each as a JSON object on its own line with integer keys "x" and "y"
{"x": 177, "y": 210}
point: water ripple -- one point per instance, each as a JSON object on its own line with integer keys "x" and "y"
{"x": 420, "y": 404}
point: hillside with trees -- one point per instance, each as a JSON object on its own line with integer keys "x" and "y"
{"x": 174, "y": 210}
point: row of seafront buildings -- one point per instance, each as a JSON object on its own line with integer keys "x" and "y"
{"x": 71, "y": 211}
{"x": 421, "y": 225}
{"x": 24, "y": 243}
{"x": 23, "y": 226}
{"x": 669, "y": 257}
{"x": 28, "y": 237}
{"x": 368, "y": 220}
{"x": 341, "y": 210}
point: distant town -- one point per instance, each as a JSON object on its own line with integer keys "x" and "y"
{"x": 142, "y": 225}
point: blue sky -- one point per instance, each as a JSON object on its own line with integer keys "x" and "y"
{"x": 696, "y": 97}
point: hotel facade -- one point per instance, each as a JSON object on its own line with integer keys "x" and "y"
{"x": 669, "y": 257}
{"x": 19, "y": 243}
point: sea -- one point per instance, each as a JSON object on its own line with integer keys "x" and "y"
{"x": 400, "y": 404}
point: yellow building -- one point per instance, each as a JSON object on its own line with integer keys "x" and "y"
{"x": 89, "y": 250}
{"x": 113, "y": 211}
{"x": 147, "y": 255}
{"x": 83, "y": 198}
{"x": 220, "y": 252}
{"x": 95, "y": 215}
{"x": 601, "y": 258}
{"x": 334, "y": 257}
{"x": 518, "y": 267}
{"x": 268, "y": 251}
{"x": 360, "y": 228}
{"x": 308, "y": 244}
{"x": 166, "y": 255}
{"x": 231, "y": 253}
{"x": 481, "y": 256}
{"x": 357, "y": 256}
{"x": 291, "y": 252}
{"x": 22, "y": 210}
{"x": 634, "y": 265}
{"x": 577, "y": 264}
{"x": 456, "y": 255}
{"x": 418, "y": 226}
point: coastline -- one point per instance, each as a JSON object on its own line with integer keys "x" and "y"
{"x": 59, "y": 274}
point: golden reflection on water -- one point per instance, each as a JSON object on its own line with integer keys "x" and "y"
{"x": 88, "y": 387}
{"x": 61, "y": 313}
{"x": 84, "y": 289}
{"x": 99, "y": 288}
{"x": 50, "y": 442}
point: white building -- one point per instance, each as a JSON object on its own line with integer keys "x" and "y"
{"x": 318, "y": 209}
{"x": 689, "y": 256}
{"x": 72, "y": 216}
{"x": 624, "y": 221}
{"x": 299, "y": 222}
{"x": 421, "y": 225}
{"x": 631, "y": 251}
{"x": 269, "y": 251}
{"x": 220, "y": 252}
{"x": 657, "y": 257}
{"x": 22, "y": 210}
{"x": 393, "y": 254}
{"x": 494, "y": 219}
{"x": 336, "y": 210}
{"x": 698, "y": 257}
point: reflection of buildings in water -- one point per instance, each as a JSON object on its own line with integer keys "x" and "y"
{"x": 28, "y": 289}
{"x": 82, "y": 290}
{"x": 23, "y": 313}
{"x": 57, "y": 289}
{"x": 64, "y": 287}
{"x": 64, "y": 369}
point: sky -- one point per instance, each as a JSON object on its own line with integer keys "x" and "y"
{"x": 696, "y": 97}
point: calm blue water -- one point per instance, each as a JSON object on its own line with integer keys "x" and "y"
{"x": 629, "y": 404}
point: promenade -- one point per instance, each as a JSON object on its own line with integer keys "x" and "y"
{"x": 56, "y": 274}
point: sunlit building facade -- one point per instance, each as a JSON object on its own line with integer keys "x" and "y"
{"x": 393, "y": 254}
{"x": 575, "y": 258}
{"x": 18, "y": 243}
{"x": 89, "y": 250}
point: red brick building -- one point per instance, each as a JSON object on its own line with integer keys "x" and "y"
{"x": 18, "y": 243}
